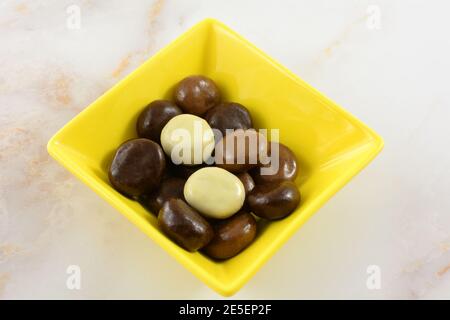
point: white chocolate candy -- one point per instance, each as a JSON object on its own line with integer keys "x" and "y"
{"x": 187, "y": 139}
{"x": 214, "y": 192}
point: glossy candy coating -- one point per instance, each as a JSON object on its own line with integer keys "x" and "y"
{"x": 184, "y": 225}
{"x": 247, "y": 182}
{"x": 229, "y": 115}
{"x": 231, "y": 236}
{"x": 196, "y": 94}
{"x": 285, "y": 170}
{"x": 137, "y": 168}
{"x": 274, "y": 200}
{"x": 154, "y": 117}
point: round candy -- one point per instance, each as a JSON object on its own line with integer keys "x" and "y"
{"x": 281, "y": 167}
{"x": 214, "y": 192}
{"x": 154, "y": 117}
{"x": 170, "y": 188}
{"x": 229, "y": 115}
{"x": 249, "y": 185}
{"x": 187, "y": 139}
{"x": 137, "y": 167}
{"x": 196, "y": 94}
{"x": 274, "y": 200}
{"x": 240, "y": 150}
{"x": 247, "y": 181}
{"x": 184, "y": 225}
{"x": 231, "y": 236}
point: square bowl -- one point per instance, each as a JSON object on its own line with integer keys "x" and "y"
{"x": 331, "y": 145}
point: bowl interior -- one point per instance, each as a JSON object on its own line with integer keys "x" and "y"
{"x": 330, "y": 144}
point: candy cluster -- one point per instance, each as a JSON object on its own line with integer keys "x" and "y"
{"x": 205, "y": 171}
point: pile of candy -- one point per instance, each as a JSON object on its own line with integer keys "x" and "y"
{"x": 205, "y": 171}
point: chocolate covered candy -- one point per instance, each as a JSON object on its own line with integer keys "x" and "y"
{"x": 154, "y": 117}
{"x": 231, "y": 236}
{"x": 137, "y": 168}
{"x": 187, "y": 139}
{"x": 240, "y": 150}
{"x": 229, "y": 115}
{"x": 171, "y": 188}
{"x": 274, "y": 200}
{"x": 196, "y": 94}
{"x": 184, "y": 225}
{"x": 282, "y": 165}
{"x": 247, "y": 182}
{"x": 214, "y": 192}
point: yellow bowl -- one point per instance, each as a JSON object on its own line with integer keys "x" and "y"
{"x": 331, "y": 145}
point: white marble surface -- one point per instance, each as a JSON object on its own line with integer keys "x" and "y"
{"x": 395, "y": 214}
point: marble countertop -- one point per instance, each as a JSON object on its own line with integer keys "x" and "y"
{"x": 386, "y": 61}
